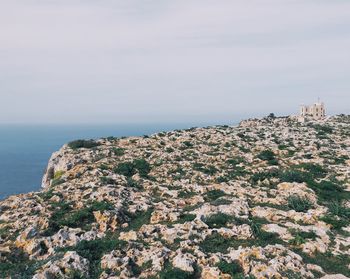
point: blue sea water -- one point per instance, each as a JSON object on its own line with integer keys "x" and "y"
{"x": 26, "y": 149}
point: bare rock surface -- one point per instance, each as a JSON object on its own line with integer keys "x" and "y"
{"x": 266, "y": 199}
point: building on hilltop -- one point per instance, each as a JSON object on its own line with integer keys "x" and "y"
{"x": 316, "y": 111}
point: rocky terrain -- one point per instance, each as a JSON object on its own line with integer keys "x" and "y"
{"x": 266, "y": 199}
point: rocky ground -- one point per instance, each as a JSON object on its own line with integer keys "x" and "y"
{"x": 266, "y": 199}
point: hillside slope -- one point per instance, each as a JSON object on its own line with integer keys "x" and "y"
{"x": 266, "y": 199}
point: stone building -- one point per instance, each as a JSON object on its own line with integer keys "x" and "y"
{"x": 316, "y": 111}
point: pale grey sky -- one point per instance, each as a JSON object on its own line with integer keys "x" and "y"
{"x": 105, "y": 61}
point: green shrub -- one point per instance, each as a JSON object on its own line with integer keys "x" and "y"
{"x": 76, "y": 144}
{"x": 118, "y": 151}
{"x": 206, "y": 169}
{"x": 315, "y": 170}
{"x": 75, "y": 274}
{"x": 104, "y": 167}
{"x": 105, "y": 180}
{"x": 183, "y": 218}
{"x": 128, "y": 169}
{"x": 297, "y": 240}
{"x": 282, "y": 146}
{"x": 58, "y": 174}
{"x": 336, "y": 222}
{"x": 336, "y": 208}
{"x": 133, "y": 184}
{"x": 16, "y": 264}
{"x": 64, "y": 215}
{"x": 170, "y": 272}
{"x": 5, "y": 232}
{"x": 93, "y": 251}
{"x": 300, "y": 237}
{"x": 299, "y": 204}
{"x": 136, "y": 270}
{"x": 294, "y": 176}
{"x": 47, "y": 194}
{"x": 238, "y": 171}
{"x": 235, "y": 161}
{"x": 169, "y": 149}
{"x": 184, "y": 194}
{"x": 85, "y": 215}
{"x": 188, "y": 144}
{"x": 142, "y": 166}
{"x": 218, "y": 220}
{"x": 234, "y": 268}
{"x": 214, "y": 195}
{"x": 323, "y": 129}
{"x": 269, "y": 156}
{"x": 261, "y": 176}
{"x": 261, "y": 237}
{"x": 329, "y": 191}
{"x": 221, "y": 202}
{"x": 59, "y": 211}
{"x": 138, "y": 219}
{"x": 331, "y": 264}
{"x": 215, "y": 243}
{"x": 55, "y": 182}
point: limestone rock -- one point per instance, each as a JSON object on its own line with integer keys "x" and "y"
{"x": 128, "y": 236}
{"x": 184, "y": 262}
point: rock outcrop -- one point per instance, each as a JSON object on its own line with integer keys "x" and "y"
{"x": 266, "y": 199}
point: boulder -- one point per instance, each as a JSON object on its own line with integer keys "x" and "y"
{"x": 184, "y": 262}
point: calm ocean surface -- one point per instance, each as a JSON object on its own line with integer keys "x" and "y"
{"x": 25, "y": 150}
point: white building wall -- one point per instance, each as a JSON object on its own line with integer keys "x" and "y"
{"x": 316, "y": 111}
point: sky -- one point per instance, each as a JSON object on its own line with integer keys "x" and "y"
{"x": 117, "y": 61}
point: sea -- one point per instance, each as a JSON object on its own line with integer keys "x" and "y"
{"x": 26, "y": 149}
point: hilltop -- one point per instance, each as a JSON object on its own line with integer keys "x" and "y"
{"x": 266, "y": 199}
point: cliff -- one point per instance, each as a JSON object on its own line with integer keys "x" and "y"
{"x": 266, "y": 199}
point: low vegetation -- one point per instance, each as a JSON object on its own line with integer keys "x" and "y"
{"x": 128, "y": 169}
{"x": 76, "y": 144}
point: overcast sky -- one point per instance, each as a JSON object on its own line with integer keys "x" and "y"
{"x": 103, "y": 61}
